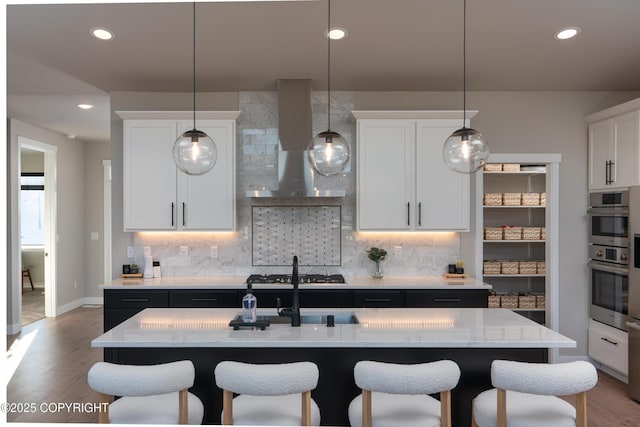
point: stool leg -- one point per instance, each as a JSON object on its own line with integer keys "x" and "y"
{"x": 30, "y": 279}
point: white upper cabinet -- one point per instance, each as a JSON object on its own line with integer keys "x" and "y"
{"x": 403, "y": 183}
{"x": 614, "y": 147}
{"x": 157, "y": 196}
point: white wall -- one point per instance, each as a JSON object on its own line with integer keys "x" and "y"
{"x": 70, "y": 192}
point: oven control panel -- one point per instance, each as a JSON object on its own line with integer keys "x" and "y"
{"x": 609, "y": 254}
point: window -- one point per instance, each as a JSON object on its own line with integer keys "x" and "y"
{"x": 32, "y": 209}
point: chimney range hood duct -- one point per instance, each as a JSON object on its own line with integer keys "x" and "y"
{"x": 295, "y": 175}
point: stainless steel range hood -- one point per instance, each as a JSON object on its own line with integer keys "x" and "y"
{"x": 295, "y": 175}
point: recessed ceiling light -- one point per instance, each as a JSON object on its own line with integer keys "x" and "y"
{"x": 567, "y": 33}
{"x": 336, "y": 33}
{"x": 101, "y": 33}
{"x": 85, "y": 106}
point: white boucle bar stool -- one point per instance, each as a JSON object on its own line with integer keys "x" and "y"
{"x": 525, "y": 395}
{"x": 395, "y": 395}
{"x": 150, "y": 394}
{"x": 269, "y": 394}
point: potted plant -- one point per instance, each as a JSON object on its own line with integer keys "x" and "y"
{"x": 133, "y": 269}
{"x": 376, "y": 255}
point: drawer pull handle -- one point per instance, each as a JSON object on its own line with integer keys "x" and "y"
{"x": 608, "y": 340}
{"x": 135, "y": 299}
{"x": 377, "y": 299}
{"x": 205, "y": 299}
{"x": 447, "y": 300}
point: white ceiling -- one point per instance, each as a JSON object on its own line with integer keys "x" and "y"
{"x": 53, "y": 63}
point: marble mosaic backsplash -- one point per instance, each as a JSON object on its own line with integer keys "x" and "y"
{"x": 221, "y": 254}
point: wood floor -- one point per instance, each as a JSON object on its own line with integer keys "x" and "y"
{"x": 55, "y": 367}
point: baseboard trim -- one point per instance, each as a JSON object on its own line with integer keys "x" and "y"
{"x": 13, "y": 329}
{"x": 70, "y": 306}
{"x": 94, "y": 300}
{"x": 615, "y": 374}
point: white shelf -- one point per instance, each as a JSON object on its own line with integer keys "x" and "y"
{"x": 514, "y": 241}
{"x": 528, "y": 309}
{"x": 513, "y": 207}
{"x": 514, "y": 275}
{"x": 515, "y": 172}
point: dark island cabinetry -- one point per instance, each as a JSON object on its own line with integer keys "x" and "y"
{"x": 121, "y": 304}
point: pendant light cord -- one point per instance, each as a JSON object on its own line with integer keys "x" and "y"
{"x": 328, "y": 65}
{"x": 194, "y": 65}
{"x": 464, "y": 64}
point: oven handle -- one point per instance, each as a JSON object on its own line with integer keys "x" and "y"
{"x": 608, "y": 268}
{"x": 608, "y": 211}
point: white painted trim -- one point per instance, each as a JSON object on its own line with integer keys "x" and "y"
{"x": 93, "y": 301}
{"x": 13, "y": 329}
{"x": 413, "y": 114}
{"x": 50, "y": 246}
{"x": 70, "y": 306}
{"x": 634, "y": 104}
{"x": 178, "y": 115}
{"x": 106, "y": 233}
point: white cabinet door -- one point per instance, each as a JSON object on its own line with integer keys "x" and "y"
{"x": 149, "y": 175}
{"x": 207, "y": 202}
{"x": 614, "y": 152}
{"x": 626, "y": 143}
{"x": 386, "y": 174}
{"x": 442, "y": 195}
{"x": 600, "y": 141}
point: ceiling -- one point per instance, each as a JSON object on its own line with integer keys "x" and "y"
{"x": 403, "y": 45}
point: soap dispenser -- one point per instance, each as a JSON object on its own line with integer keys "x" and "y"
{"x": 249, "y": 306}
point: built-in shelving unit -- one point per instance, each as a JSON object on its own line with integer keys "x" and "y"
{"x": 538, "y": 175}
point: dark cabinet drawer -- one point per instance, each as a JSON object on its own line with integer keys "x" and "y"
{"x": 386, "y": 298}
{"x": 338, "y": 298}
{"x": 472, "y": 298}
{"x": 204, "y": 298}
{"x": 267, "y": 298}
{"x": 136, "y": 299}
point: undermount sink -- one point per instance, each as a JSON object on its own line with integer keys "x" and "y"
{"x": 312, "y": 319}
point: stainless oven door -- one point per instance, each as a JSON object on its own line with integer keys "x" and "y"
{"x": 609, "y": 227}
{"x": 609, "y": 294}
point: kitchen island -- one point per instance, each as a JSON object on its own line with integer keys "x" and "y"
{"x": 471, "y": 337}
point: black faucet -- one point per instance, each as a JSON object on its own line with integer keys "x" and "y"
{"x": 294, "y": 311}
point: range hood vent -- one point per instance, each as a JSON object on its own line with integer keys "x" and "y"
{"x": 295, "y": 175}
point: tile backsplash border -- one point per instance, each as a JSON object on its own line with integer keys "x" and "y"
{"x": 222, "y": 254}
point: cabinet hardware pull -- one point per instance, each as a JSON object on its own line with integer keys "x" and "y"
{"x": 419, "y": 214}
{"x": 205, "y": 299}
{"x": 447, "y": 300}
{"x": 135, "y": 299}
{"x": 184, "y": 219}
{"x": 611, "y": 165}
{"x": 172, "y": 215}
{"x": 408, "y": 214}
{"x": 608, "y": 340}
{"x": 377, "y": 299}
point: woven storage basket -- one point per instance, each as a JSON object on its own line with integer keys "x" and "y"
{"x": 531, "y": 233}
{"x": 543, "y": 233}
{"x": 511, "y": 167}
{"x": 527, "y": 301}
{"x": 509, "y": 267}
{"x": 494, "y": 301}
{"x": 509, "y": 301}
{"x": 493, "y": 233}
{"x": 540, "y": 300}
{"x": 493, "y": 167}
{"x": 512, "y": 233}
{"x": 512, "y": 199}
{"x": 493, "y": 199}
{"x": 540, "y": 267}
{"x": 528, "y": 267}
{"x": 491, "y": 267}
{"x": 530, "y": 199}
{"x": 543, "y": 199}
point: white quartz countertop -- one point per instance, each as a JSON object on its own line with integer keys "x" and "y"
{"x": 352, "y": 282}
{"x": 378, "y": 327}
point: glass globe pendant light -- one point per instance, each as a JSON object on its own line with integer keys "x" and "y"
{"x": 465, "y": 151}
{"x": 194, "y": 152}
{"x": 328, "y": 152}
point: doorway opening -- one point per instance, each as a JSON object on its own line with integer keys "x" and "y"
{"x": 37, "y": 227}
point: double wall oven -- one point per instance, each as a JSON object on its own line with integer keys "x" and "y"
{"x": 609, "y": 255}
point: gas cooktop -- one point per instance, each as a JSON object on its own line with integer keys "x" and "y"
{"x": 304, "y": 278}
